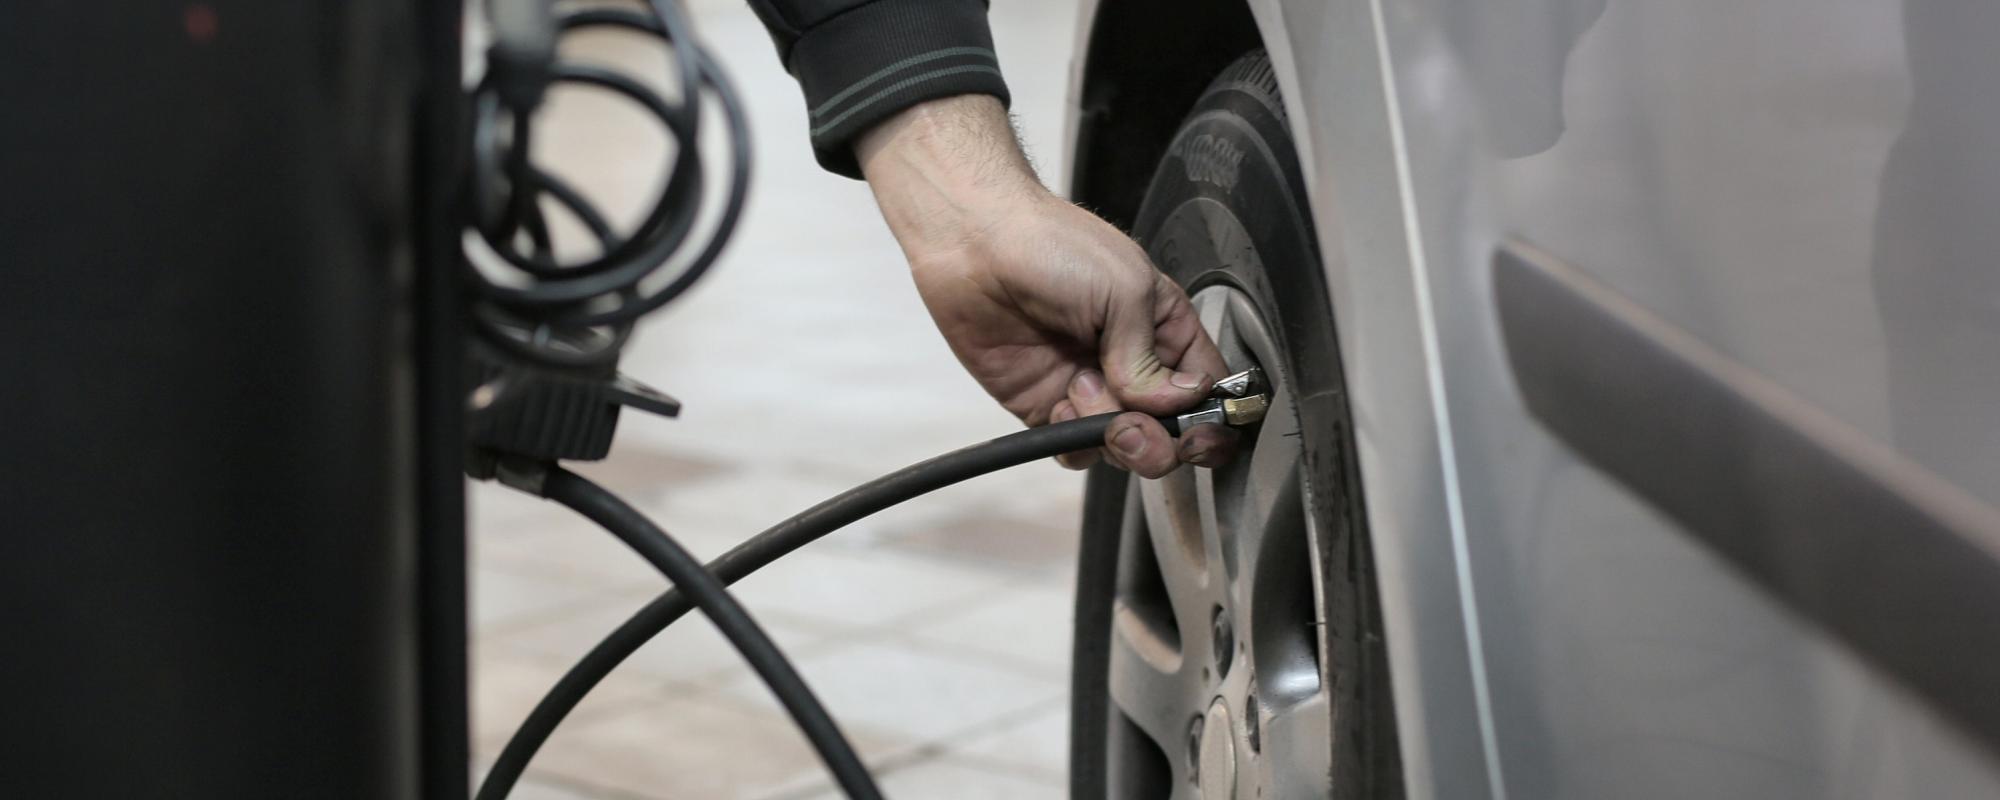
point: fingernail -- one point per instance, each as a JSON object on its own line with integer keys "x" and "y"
{"x": 1187, "y": 380}
{"x": 1129, "y": 442}
{"x": 1063, "y": 413}
{"x": 1088, "y": 384}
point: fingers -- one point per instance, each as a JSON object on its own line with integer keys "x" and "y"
{"x": 1065, "y": 411}
{"x": 1134, "y": 441}
{"x": 1140, "y": 443}
{"x": 1132, "y": 363}
{"x": 1088, "y": 395}
{"x": 1180, "y": 339}
{"x": 1208, "y": 445}
{"x": 1156, "y": 356}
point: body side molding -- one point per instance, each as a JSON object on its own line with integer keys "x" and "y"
{"x": 1900, "y": 565}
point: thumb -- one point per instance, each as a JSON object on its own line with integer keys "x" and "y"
{"x": 1140, "y": 375}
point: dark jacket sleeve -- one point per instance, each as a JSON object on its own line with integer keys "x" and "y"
{"x": 861, "y": 61}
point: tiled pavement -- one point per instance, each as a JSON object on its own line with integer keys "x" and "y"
{"x": 936, "y": 632}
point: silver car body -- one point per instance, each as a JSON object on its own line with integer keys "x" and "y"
{"x": 1812, "y": 189}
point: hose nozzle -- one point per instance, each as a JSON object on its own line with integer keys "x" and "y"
{"x": 1237, "y": 401}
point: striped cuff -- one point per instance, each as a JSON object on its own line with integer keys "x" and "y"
{"x": 865, "y": 65}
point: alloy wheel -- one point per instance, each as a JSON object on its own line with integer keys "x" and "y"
{"x": 1215, "y": 648}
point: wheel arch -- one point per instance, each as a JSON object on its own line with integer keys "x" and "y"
{"x": 1140, "y": 66}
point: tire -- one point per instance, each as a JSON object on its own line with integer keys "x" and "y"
{"x": 1293, "y": 599}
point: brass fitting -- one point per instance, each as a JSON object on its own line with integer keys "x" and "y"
{"x": 1240, "y": 411}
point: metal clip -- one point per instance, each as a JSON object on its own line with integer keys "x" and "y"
{"x": 1241, "y": 384}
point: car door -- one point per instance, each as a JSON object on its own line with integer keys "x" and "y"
{"x": 1698, "y": 303}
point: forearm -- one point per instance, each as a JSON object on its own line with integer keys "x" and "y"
{"x": 947, "y": 171}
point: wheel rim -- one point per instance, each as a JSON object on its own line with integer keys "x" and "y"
{"x": 1215, "y": 648}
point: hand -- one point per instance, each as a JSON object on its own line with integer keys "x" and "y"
{"x": 1055, "y": 312}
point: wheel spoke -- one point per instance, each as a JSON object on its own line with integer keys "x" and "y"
{"x": 1211, "y": 308}
{"x": 1216, "y": 318}
{"x": 1252, "y": 341}
{"x": 1153, "y": 694}
{"x": 1271, "y": 480}
{"x": 1174, "y": 524}
{"x": 1294, "y": 746}
{"x": 1263, "y": 485}
{"x": 1266, "y": 531}
{"x": 1218, "y": 555}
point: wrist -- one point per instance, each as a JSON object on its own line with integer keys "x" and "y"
{"x": 946, "y": 172}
